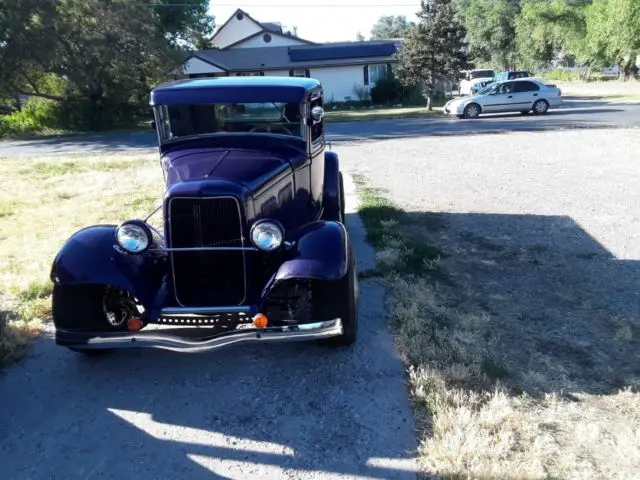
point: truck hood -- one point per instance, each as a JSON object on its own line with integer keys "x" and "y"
{"x": 249, "y": 168}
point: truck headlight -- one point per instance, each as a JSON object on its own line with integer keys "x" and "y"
{"x": 133, "y": 237}
{"x": 267, "y": 235}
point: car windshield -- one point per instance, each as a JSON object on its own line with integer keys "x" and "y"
{"x": 481, "y": 74}
{"x": 185, "y": 120}
{"x": 489, "y": 89}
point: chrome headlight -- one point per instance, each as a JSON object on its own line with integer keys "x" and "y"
{"x": 267, "y": 235}
{"x": 133, "y": 237}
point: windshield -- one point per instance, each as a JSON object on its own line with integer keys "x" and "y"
{"x": 481, "y": 74}
{"x": 175, "y": 121}
{"x": 489, "y": 89}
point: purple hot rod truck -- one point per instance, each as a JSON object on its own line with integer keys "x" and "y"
{"x": 252, "y": 246}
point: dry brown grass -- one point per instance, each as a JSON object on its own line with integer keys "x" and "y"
{"x": 42, "y": 202}
{"x": 485, "y": 412}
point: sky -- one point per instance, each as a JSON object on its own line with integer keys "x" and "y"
{"x": 318, "y": 20}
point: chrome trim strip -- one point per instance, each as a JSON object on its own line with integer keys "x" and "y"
{"x": 242, "y": 240}
{"x": 187, "y": 310}
{"x": 306, "y": 332}
{"x": 205, "y": 249}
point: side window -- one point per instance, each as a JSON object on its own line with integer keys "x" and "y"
{"x": 526, "y": 87}
{"x": 318, "y": 128}
{"x": 506, "y": 88}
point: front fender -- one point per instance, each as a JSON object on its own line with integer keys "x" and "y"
{"x": 320, "y": 252}
{"x": 89, "y": 257}
{"x": 331, "y": 190}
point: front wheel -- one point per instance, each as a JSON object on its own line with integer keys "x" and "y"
{"x": 346, "y": 305}
{"x": 540, "y": 107}
{"x": 472, "y": 110}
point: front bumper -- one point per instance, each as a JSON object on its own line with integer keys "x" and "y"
{"x": 453, "y": 109}
{"x": 165, "y": 339}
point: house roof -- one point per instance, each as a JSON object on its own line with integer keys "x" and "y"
{"x": 272, "y": 27}
{"x": 232, "y": 89}
{"x": 288, "y": 57}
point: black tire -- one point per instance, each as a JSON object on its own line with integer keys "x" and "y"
{"x": 82, "y": 308}
{"x": 337, "y": 215}
{"x": 342, "y": 203}
{"x": 540, "y": 107}
{"x": 472, "y": 110}
{"x": 346, "y": 301}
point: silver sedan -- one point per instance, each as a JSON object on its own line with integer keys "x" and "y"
{"x": 521, "y": 95}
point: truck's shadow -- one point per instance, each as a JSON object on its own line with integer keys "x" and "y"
{"x": 565, "y": 311}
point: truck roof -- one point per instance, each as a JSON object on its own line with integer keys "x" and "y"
{"x": 233, "y": 89}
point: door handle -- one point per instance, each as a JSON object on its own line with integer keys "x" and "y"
{"x": 535, "y": 94}
{"x": 510, "y": 96}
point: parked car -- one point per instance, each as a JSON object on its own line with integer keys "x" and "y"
{"x": 523, "y": 95}
{"x": 253, "y": 245}
{"x": 499, "y": 77}
{"x": 473, "y": 77}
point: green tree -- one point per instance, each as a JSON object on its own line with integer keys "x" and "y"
{"x": 490, "y": 26}
{"x": 185, "y": 22}
{"x": 96, "y": 58}
{"x": 434, "y": 49}
{"x": 389, "y": 26}
{"x": 613, "y": 33}
{"x": 548, "y": 30}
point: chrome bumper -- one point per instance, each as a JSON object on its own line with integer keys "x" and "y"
{"x": 167, "y": 341}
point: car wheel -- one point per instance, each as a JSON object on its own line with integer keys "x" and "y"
{"x": 472, "y": 110}
{"x": 342, "y": 205}
{"x": 540, "y": 107}
{"x": 336, "y": 214}
{"x": 346, "y": 301}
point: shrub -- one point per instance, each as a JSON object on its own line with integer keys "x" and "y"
{"x": 37, "y": 115}
{"x": 387, "y": 89}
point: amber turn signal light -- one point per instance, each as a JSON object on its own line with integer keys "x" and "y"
{"x": 260, "y": 321}
{"x": 134, "y": 324}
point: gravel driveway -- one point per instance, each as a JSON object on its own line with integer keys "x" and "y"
{"x": 269, "y": 411}
{"x": 543, "y": 229}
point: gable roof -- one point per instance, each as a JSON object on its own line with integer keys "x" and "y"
{"x": 239, "y": 10}
{"x": 287, "y": 57}
{"x": 271, "y": 27}
{"x": 262, "y": 32}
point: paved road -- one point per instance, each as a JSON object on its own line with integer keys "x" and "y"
{"x": 287, "y": 411}
{"x": 573, "y": 114}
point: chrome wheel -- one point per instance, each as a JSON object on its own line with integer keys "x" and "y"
{"x": 541, "y": 106}
{"x": 472, "y": 110}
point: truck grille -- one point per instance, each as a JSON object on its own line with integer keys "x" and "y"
{"x": 207, "y": 278}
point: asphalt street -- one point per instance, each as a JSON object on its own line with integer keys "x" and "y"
{"x": 574, "y": 113}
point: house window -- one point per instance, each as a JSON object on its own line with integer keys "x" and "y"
{"x": 266, "y": 37}
{"x": 249, "y": 74}
{"x": 376, "y": 72}
{"x": 299, "y": 72}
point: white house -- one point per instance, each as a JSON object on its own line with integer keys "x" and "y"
{"x": 244, "y": 46}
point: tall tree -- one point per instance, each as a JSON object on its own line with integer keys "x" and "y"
{"x": 434, "y": 49}
{"x": 97, "y": 57}
{"x": 548, "y": 30}
{"x": 185, "y": 22}
{"x": 389, "y": 26}
{"x": 613, "y": 33}
{"x": 490, "y": 26}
